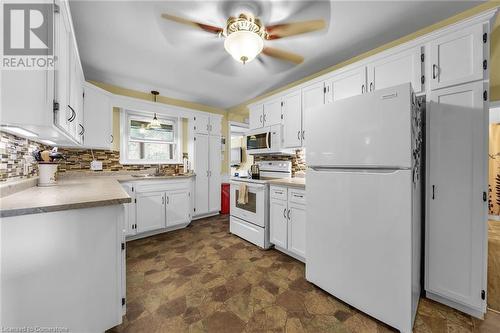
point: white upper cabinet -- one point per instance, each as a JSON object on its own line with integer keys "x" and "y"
{"x": 272, "y": 112}
{"x": 457, "y": 57}
{"x": 347, "y": 84}
{"x": 98, "y": 117}
{"x": 62, "y": 69}
{"x": 215, "y": 125}
{"x": 292, "y": 120}
{"x": 402, "y": 67}
{"x": 201, "y": 124}
{"x": 312, "y": 97}
{"x": 256, "y": 115}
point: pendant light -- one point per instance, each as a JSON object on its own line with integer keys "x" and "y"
{"x": 155, "y": 123}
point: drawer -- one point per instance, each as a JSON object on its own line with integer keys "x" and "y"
{"x": 278, "y": 192}
{"x": 247, "y": 231}
{"x": 297, "y": 196}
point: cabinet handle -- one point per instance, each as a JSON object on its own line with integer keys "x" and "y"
{"x": 265, "y": 118}
{"x": 433, "y": 191}
{"x": 278, "y": 192}
{"x": 168, "y": 200}
{"x": 298, "y": 135}
{"x": 288, "y": 214}
{"x": 371, "y": 86}
{"x": 362, "y": 88}
{"x": 83, "y": 129}
{"x": 112, "y": 138}
{"x": 73, "y": 114}
{"x": 303, "y": 135}
{"x": 298, "y": 196}
{"x": 260, "y": 119}
{"x": 162, "y": 200}
{"x": 434, "y": 67}
{"x": 284, "y": 213}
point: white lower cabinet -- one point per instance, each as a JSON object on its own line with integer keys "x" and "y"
{"x": 157, "y": 206}
{"x": 288, "y": 220}
{"x": 150, "y": 211}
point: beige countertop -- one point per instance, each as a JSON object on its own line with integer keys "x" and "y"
{"x": 72, "y": 193}
{"x": 291, "y": 182}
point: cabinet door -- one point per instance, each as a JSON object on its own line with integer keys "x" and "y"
{"x": 74, "y": 91}
{"x": 396, "y": 69}
{"x": 201, "y": 170}
{"x": 215, "y": 126}
{"x": 62, "y": 68}
{"x": 201, "y": 124}
{"x": 272, "y": 112}
{"x": 214, "y": 180}
{"x": 98, "y": 118}
{"x": 150, "y": 211}
{"x": 297, "y": 229}
{"x": 312, "y": 97}
{"x": 457, "y": 57}
{"x": 130, "y": 211}
{"x": 292, "y": 120}
{"x": 256, "y": 115}
{"x": 457, "y": 220}
{"x": 348, "y": 84}
{"x": 278, "y": 223}
{"x": 80, "y": 135}
{"x": 178, "y": 207}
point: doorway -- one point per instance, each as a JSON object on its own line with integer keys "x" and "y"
{"x": 239, "y": 160}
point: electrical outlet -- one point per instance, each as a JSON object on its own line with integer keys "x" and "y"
{"x": 96, "y": 165}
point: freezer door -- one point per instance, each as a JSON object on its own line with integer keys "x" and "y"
{"x": 373, "y": 129}
{"x": 358, "y": 244}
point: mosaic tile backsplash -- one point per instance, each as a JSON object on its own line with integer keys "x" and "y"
{"x": 298, "y": 161}
{"x": 16, "y": 160}
{"x": 16, "y": 152}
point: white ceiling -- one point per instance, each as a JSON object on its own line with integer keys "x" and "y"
{"x": 126, "y": 43}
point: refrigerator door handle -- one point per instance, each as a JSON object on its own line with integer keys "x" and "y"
{"x": 386, "y": 170}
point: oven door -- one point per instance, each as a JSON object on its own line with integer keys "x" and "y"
{"x": 258, "y": 141}
{"x": 253, "y": 211}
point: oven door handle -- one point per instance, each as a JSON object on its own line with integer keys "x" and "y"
{"x": 268, "y": 141}
{"x": 249, "y": 185}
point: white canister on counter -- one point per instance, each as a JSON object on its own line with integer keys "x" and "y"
{"x": 47, "y": 174}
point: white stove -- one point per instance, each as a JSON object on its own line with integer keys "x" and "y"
{"x": 250, "y": 221}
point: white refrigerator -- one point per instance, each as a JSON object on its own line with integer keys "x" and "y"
{"x": 364, "y": 176}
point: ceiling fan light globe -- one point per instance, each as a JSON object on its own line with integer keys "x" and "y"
{"x": 244, "y": 46}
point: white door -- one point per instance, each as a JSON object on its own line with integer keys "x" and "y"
{"x": 457, "y": 221}
{"x": 201, "y": 124}
{"x": 201, "y": 170}
{"x": 130, "y": 211}
{"x": 215, "y": 126}
{"x": 256, "y": 115}
{"x": 312, "y": 97}
{"x": 177, "y": 207}
{"x": 98, "y": 118}
{"x": 393, "y": 70}
{"x": 278, "y": 223}
{"x": 272, "y": 112}
{"x": 358, "y": 240}
{"x": 348, "y": 84}
{"x": 372, "y": 130}
{"x": 292, "y": 120}
{"x": 457, "y": 57}
{"x": 150, "y": 211}
{"x": 214, "y": 188}
{"x": 297, "y": 229}
{"x": 62, "y": 67}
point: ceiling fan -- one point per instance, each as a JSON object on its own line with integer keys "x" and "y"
{"x": 245, "y": 35}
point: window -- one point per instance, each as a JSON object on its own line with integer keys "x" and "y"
{"x": 143, "y": 144}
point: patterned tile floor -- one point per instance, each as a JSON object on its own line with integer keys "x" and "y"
{"x": 203, "y": 279}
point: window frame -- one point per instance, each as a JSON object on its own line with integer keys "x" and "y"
{"x": 127, "y": 115}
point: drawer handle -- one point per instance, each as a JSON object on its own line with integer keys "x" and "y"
{"x": 278, "y": 192}
{"x": 298, "y": 196}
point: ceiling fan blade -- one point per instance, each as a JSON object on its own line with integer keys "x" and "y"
{"x": 296, "y": 28}
{"x": 283, "y": 55}
{"x": 205, "y": 27}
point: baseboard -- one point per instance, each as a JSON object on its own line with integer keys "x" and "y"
{"x": 156, "y": 232}
{"x": 209, "y": 214}
{"x": 455, "y": 305}
{"x": 288, "y": 253}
